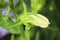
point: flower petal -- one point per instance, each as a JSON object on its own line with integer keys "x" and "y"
{"x": 3, "y": 32}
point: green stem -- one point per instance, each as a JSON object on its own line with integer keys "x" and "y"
{"x": 27, "y": 35}
{"x": 6, "y": 16}
{"x": 13, "y": 25}
{"x": 8, "y": 11}
{"x": 0, "y": 15}
{"x": 24, "y": 6}
{"x": 37, "y": 36}
{"x": 12, "y": 37}
{"x": 13, "y": 8}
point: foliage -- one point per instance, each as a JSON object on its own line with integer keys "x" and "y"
{"x": 30, "y": 23}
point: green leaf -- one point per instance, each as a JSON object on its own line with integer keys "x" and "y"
{"x": 14, "y": 30}
{"x": 37, "y": 4}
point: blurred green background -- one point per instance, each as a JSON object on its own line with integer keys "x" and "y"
{"x": 51, "y": 10}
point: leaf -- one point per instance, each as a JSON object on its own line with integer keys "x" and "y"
{"x": 37, "y": 4}
{"x": 14, "y": 30}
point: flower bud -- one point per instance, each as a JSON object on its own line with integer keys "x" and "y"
{"x": 39, "y": 20}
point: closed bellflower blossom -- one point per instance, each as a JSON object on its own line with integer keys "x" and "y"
{"x": 39, "y": 20}
{"x": 4, "y": 11}
{"x": 35, "y": 19}
{"x": 3, "y": 31}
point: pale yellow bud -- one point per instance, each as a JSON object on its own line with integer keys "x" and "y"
{"x": 39, "y": 20}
